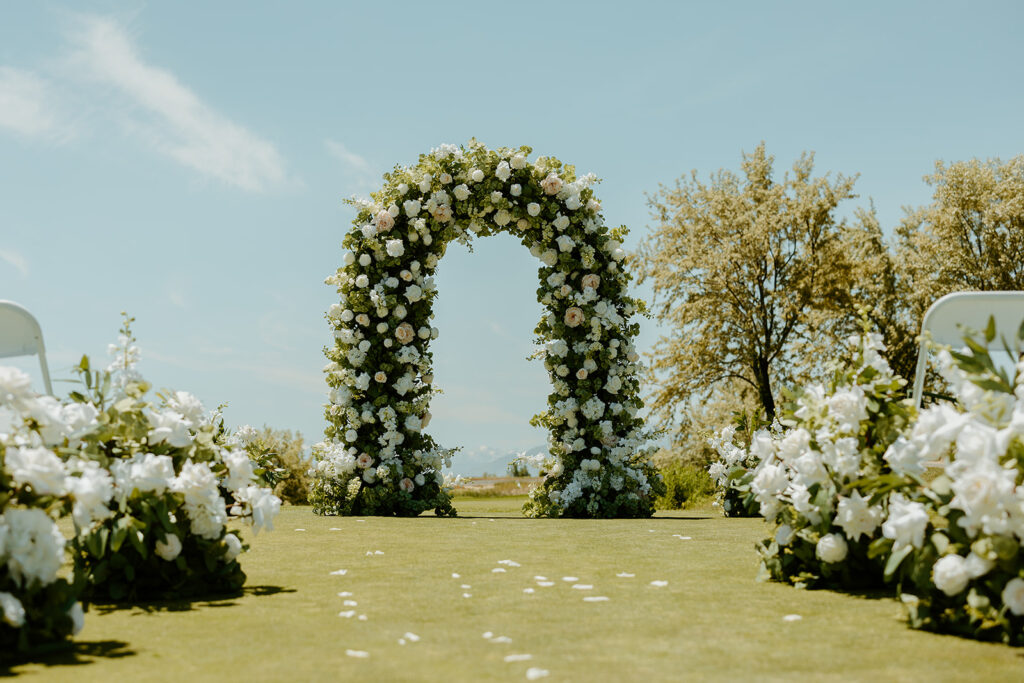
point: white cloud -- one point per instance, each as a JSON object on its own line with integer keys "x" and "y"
{"x": 15, "y": 259}
{"x": 170, "y": 116}
{"x": 358, "y": 172}
{"x": 28, "y": 106}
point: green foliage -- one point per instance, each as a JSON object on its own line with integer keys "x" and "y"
{"x": 284, "y": 449}
{"x": 685, "y": 486}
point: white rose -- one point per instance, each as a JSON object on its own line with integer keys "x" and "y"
{"x": 395, "y": 248}
{"x": 518, "y": 162}
{"x": 350, "y": 258}
{"x": 385, "y": 221}
{"x": 413, "y": 293}
{"x": 234, "y": 546}
{"x": 412, "y": 207}
{"x": 549, "y": 257}
{"x": 533, "y": 208}
{"x": 12, "y": 611}
{"x": 442, "y": 214}
{"x": 573, "y": 202}
{"x": 950, "y": 574}
{"x": 515, "y": 190}
{"x": 831, "y": 548}
{"x": 364, "y": 260}
{"x": 403, "y": 188}
{"x": 784, "y": 534}
{"x": 502, "y": 217}
{"x": 362, "y": 281}
{"x": 503, "y": 172}
{"x": 461, "y": 192}
{"x": 477, "y": 175}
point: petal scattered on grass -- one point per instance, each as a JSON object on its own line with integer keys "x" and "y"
{"x": 466, "y": 586}
{"x": 412, "y": 637}
{"x": 334, "y": 528}
{"x": 596, "y": 598}
{"x": 498, "y": 570}
{"x": 792, "y": 617}
{"x": 501, "y": 639}
{"x": 300, "y": 529}
{"x": 528, "y": 590}
{"x": 455, "y": 576}
{"x": 571, "y": 579}
{"x": 339, "y": 572}
{"x": 361, "y": 617}
{"x": 509, "y": 563}
{"x": 583, "y": 586}
{"x": 345, "y": 594}
{"x": 535, "y": 672}
{"x": 378, "y": 552}
{"x": 467, "y": 595}
{"x": 625, "y": 575}
{"x": 540, "y": 578}
{"x": 358, "y": 654}
{"x": 518, "y": 658}
{"x": 347, "y": 615}
{"x": 351, "y": 603}
{"x": 488, "y": 635}
{"x": 545, "y": 584}
{"x": 659, "y": 584}
{"x": 401, "y": 641}
{"x": 360, "y": 520}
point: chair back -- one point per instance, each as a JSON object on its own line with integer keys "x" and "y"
{"x": 20, "y": 335}
{"x": 947, "y": 318}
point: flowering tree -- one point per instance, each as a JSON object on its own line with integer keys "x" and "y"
{"x": 377, "y": 458}
{"x": 752, "y": 273}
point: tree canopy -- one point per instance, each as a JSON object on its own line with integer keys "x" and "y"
{"x": 751, "y": 274}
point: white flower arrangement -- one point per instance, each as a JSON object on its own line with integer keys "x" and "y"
{"x": 387, "y": 292}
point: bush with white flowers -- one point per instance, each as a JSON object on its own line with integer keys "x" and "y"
{"x": 810, "y": 482}
{"x": 377, "y": 457}
{"x": 956, "y": 546}
{"x": 38, "y": 607}
{"x": 739, "y": 454}
{"x": 174, "y": 482}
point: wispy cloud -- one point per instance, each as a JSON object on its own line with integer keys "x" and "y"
{"x": 16, "y": 260}
{"x": 358, "y": 172}
{"x": 28, "y": 106}
{"x": 168, "y": 115}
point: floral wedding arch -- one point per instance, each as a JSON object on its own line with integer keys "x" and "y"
{"x": 377, "y": 457}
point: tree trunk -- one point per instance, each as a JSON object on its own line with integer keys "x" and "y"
{"x": 764, "y": 388}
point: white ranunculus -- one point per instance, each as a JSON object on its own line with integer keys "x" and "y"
{"x": 1013, "y": 595}
{"x": 395, "y": 248}
{"x": 831, "y": 548}
{"x": 170, "y": 548}
{"x": 950, "y": 574}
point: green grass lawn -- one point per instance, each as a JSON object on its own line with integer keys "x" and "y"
{"x": 711, "y": 621}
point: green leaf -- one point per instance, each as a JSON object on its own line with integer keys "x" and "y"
{"x": 990, "y": 329}
{"x": 896, "y": 559}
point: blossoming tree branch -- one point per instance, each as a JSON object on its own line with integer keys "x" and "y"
{"x": 377, "y": 457}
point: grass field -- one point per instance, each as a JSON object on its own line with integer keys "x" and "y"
{"x": 711, "y": 621}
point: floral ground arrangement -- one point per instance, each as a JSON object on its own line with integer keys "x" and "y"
{"x": 845, "y": 491}
{"x": 377, "y": 458}
{"x": 148, "y": 485}
{"x": 670, "y": 598}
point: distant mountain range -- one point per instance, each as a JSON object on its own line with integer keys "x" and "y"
{"x": 475, "y": 462}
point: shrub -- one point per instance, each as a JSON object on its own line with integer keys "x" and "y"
{"x": 285, "y": 449}
{"x": 685, "y": 486}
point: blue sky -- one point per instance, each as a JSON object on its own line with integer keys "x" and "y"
{"x": 187, "y": 161}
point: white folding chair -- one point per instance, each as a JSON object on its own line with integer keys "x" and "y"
{"x": 20, "y": 335}
{"x": 948, "y": 316}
